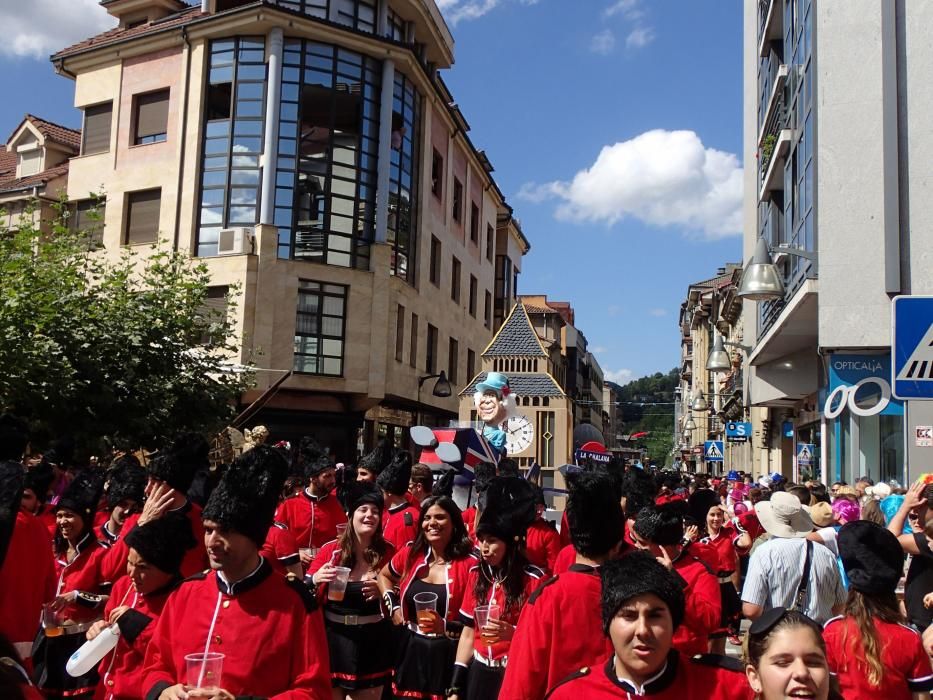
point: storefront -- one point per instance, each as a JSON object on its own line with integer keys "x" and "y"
{"x": 863, "y": 425}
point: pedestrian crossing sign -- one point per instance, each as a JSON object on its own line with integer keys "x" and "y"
{"x": 912, "y": 347}
{"x": 713, "y": 450}
{"x": 805, "y": 452}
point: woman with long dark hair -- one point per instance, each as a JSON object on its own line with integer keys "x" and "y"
{"x": 500, "y": 585}
{"x": 424, "y": 587}
{"x": 870, "y": 650}
{"x": 359, "y": 635}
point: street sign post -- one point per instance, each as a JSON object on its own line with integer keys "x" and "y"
{"x": 738, "y": 432}
{"x": 912, "y": 347}
{"x": 713, "y": 450}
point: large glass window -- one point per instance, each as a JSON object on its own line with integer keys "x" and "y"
{"x": 403, "y": 176}
{"x": 325, "y": 197}
{"x": 358, "y": 14}
{"x": 233, "y": 135}
{"x": 320, "y": 328}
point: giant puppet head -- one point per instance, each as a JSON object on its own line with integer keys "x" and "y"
{"x": 494, "y": 405}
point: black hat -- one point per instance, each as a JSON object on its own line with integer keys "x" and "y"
{"x": 248, "y": 494}
{"x": 360, "y": 493}
{"x": 192, "y": 450}
{"x": 508, "y": 467}
{"x": 638, "y": 489}
{"x": 61, "y": 452}
{"x": 539, "y": 495}
{"x": 11, "y": 493}
{"x": 167, "y": 467}
{"x": 699, "y": 505}
{"x": 39, "y": 479}
{"x": 444, "y": 485}
{"x": 82, "y": 496}
{"x": 662, "y": 525}
{"x": 306, "y": 451}
{"x": 482, "y": 474}
{"x": 127, "y": 482}
{"x": 14, "y": 436}
{"x": 510, "y": 509}
{"x": 318, "y": 465}
{"x": 378, "y": 459}
{"x": 594, "y": 513}
{"x": 872, "y": 557}
{"x": 163, "y": 542}
{"x": 636, "y": 574}
{"x": 395, "y": 477}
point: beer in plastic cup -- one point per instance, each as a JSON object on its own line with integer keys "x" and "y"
{"x": 205, "y": 670}
{"x": 53, "y": 621}
{"x": 425, "y": 608}
{"x": 482, "y": 614}
{"x": 338, "y": 587}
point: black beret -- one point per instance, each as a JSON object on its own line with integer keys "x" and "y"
{"x": 872, "y": 557}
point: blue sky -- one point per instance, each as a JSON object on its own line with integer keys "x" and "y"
{"x": 614, "y": 127}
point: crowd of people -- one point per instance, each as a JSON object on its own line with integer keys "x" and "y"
{"x": 286, "y": 575}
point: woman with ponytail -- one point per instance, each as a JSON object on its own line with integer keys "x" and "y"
{"x": 869, "y": 648}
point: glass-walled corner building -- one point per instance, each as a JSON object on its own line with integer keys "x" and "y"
{"x": 309, "y": 153}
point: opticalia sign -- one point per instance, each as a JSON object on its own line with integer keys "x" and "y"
{"x": 860, "y": 384}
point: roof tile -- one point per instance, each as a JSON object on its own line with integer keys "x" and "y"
{"x": 15, "y": 184}
{"x": 523, "y": 385}
{"x": 516, "y": 336}
{"x": 56, "y": 132}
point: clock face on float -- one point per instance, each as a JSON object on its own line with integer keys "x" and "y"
{"x": 519, "y": 434}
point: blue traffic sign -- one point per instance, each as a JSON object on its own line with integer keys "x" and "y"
{"x": 738, "y": 432}
{"x": 713, "y": 450}
{"x": 806, "y": 454}
{"x": 912, "y": 347}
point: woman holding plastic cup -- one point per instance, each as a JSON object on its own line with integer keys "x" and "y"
{"x": 424, "y": 587}
{"x": 359, "y": 635}
{"x": 499, "y": 586}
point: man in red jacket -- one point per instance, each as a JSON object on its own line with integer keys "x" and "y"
{"x": 265, "y": 625}
{"x": 542, "y": 542}
{"x": 401, "y": 520}
{"x": 560, "y": 630}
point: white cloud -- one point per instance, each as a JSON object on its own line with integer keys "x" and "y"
{"x": 38, "y": 28}
{"x": 657, "y": 312}
{"x": 456, "y": 11}
{"x": 598, "y": 349}
{"x": 619, "y": 376}
{"x": 662, "y": 178}
{"x": 639, "y": 38}
{"x": 627, "y": 8}
{"x": 603, "y": 43}
{"x": 613, "y": 310}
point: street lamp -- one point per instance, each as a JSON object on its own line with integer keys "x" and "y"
{"x": 690, "y": 424}
{"x": 761, "y": 280}
{"x": 699, "y": 403}
{"x": 441, "y": 387}
{"x": 718, "y": 360}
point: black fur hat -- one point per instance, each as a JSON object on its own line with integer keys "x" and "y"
{"x": 127, "y": 482}
{"x": 510, "y": 509}
{"x": 306, "y": 451}
{"x": 360, "y": 493}
{"x": 662, "y": 525}
{"x": 39, "y": 479}
{"x": 508, "y": 467}
{"x": 871, "y": 556}
{"x": 82, "y": 496}
{"x": 378, "y": 459}
{"x": 192, "y": 450}
{"x": 61, "y": 452}
{"x": 539, "y": 495}
{"x": 163, "y": 542}
{"x": 699, "y": 505}
{"x": 594, "y": 513}
{"x": 444, "y": 484}
{"x": 316, "y": 466}
{"x": 248, "y": 494}
{"x": 11, "y": 493}
{"x": 395, "y": 477}
{"x": 483, "y": 473}
{"x": 168, "y": 468}
{"x": 14, "y": 436}
{"x": 636, "y": 574}
{"x": 639, "y": 490}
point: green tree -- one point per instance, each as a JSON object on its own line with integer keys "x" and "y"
{"x": 108, "y": 348}
{"x": 647, "y": 405}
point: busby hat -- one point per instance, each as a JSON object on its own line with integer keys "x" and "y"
{"x": 871, "y": 556}
{"x": 639, "y": 489}
{"x": 699, "y": 505}
{"x": 663, "y": 525}
{"x": 39, "y": 479}
{"x": 167, "y": 467}
{"x": 636, "y": 574}
{"x": 61, "y": 452}
{"x": 163, "y": 542}
{"x": 444, "y": 485}
{"x": 483, "y": 473}
{"x": 510, "y": 509}
{"x": 306, "y": 451}
{"x": 508, "y": 467}
{"x": 318, "y": 465}
{"x": 594, "y": 513}
{"x": 82, "y": 496}
{"x": 127, "y": 482}
{"x": 395, "y": 477}
{"x": 192, "y": 450}
{"x": 246, "y": 497}
{"x": 360, "y": 493}
{"x": 11, "y": 493}
{"x": 378, "y": 459}
{"x": 14, "y": 436}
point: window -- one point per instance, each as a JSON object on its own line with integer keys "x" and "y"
{"x": 29, "y": 162}
{"x": 437, "y": 174}
{"x": 453, "y": 352}
{"x": 455, "y": 281}
{"x": 214, "y": 312}
{"x": 490, "y": 242}
{"x": 399, "y": 333}
{"x": 150, "y": 117}
{"x": 430, "y": 363}
{"x": 319, "y": 328}
{"x": 473, "y": 292}
{"x": 471, "y": 365}
{"x": 403, "y": 177}
{"x": 474, "y": 223}
{"x": 435, "y": 270}
{"x": 358, "y": 14}
{"x": 458, "y": 200}
{"x": 95, "y": 136}
{"x": 142, "y": 216}
{"x": 413, "y": 348}
{"x": 487, "y": 310}
{"x": 87, "y": 216}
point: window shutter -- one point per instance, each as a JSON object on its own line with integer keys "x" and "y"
{"x": 96, "y": 135}
{"x": 30, "y": 162}
{"x": 151, "y": 114}
{"x": 142, "y": 220}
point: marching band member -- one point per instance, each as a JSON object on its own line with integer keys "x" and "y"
{"x": 400, "y": 518}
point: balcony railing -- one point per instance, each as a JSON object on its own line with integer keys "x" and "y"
{"x": 770, "y": 25}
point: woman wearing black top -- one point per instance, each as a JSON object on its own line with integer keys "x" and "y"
{"x": 920, "y": 574}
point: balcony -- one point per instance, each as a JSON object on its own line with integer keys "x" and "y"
{"x": 770, "y": 25}
{"x": 772, "y": 169}
{"x": 773, "y": 112}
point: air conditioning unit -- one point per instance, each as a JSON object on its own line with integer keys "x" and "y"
{"x": 235, "y": 241}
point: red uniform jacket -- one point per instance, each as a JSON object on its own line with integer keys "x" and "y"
{"x": 195, "y": 560}
{"x": 724, "y": 544}
{"x": 680, "y": 679}
{"x": 559, "y": 631}
{"x": 274, "y": 644}
{"x": 533, "y": 579}
{"x": 400, "y": 524}
{"x": 906, "y": 665}
{"x": 121, "y": 671}
{"x": 27, "y": 580}
{"x": 542, "y": 544}
{"x": 312, "y": 520}
{"x": 83, "y": 574}
{"x": 469, "y": 519}
{"x": 280, "y": 548}
{"x": 458, "y": 576}
{"x": 566, "y": 558}
{"x": 564, "y": 530}
{"x": 703, "y": 605}
{"x": 46, "y": 515}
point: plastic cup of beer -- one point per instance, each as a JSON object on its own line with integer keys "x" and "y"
{"x": 53, "y": 621}
{"x": 482, "y": 614}
{"x": 338, "y": 587}
{"x": 205, "y": 670}
{"x": 425, "y": 608}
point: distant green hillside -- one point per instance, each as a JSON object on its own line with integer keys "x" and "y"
{"x": 647, "y": 404}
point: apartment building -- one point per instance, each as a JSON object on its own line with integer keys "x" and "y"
{"x": 310, "y": 155}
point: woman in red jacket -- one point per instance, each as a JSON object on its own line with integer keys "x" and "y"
{"x": 435, "y": 566}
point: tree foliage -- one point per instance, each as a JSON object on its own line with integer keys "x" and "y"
{"x": 647, "y": 404}
{"x": 110, "y": 348}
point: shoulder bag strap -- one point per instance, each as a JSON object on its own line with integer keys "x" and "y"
{"x": 804, "y": 579}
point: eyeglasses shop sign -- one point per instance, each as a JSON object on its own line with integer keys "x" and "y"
{"x": 860, "y": 385}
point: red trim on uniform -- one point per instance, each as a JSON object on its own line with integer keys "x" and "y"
{"x": 414, "y": 694}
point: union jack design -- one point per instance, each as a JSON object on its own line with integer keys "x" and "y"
{"x": 472, "y": 445}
